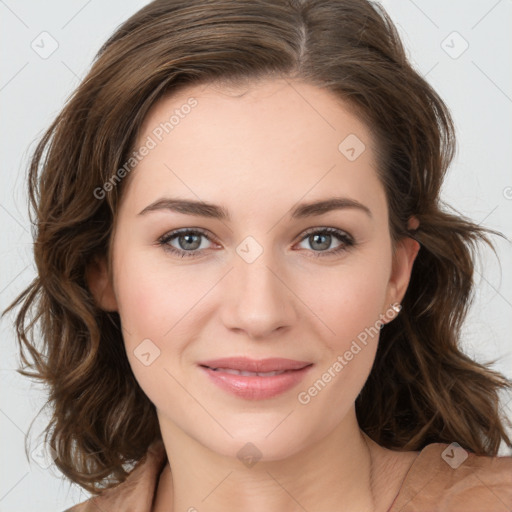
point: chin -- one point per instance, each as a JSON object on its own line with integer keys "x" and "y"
{"x": 270, "y": 440}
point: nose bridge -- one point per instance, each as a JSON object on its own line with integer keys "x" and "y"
{"x": 259, "y": 301}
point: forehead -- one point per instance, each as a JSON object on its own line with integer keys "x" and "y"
{"x": 275, "y": 139}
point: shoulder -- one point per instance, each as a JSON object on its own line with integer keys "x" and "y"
{"x": 447, "y": 477}
{"x": 136, "y": 491}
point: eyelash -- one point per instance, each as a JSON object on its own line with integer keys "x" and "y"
{"x": 345, "y": 238}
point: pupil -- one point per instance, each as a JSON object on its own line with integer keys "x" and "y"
{"x": 325, "y": 244}
{"x": 187, "y": 240}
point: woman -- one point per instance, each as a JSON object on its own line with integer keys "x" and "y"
{"x": 248, "y": 287}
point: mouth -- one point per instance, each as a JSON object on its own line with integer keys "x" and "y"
{"x": 249, "y": 374}
{"x": 255, "y": 366}
{"x": 255, "y": 379}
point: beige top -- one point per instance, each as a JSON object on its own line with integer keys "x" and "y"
{"x": 438, "y": 480}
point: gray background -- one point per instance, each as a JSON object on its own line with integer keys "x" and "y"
{"x": 475, "y": 83}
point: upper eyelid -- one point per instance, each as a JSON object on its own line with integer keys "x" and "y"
{"x": 175, "y": 232}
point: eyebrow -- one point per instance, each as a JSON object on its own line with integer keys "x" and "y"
{"x": 204, "y": 209}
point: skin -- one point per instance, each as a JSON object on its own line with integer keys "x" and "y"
{"x": 258, "y": 150}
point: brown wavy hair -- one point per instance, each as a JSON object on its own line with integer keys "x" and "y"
{"x": 422, "y": 387}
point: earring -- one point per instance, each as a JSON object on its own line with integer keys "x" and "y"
{"x": 396, "y": 307}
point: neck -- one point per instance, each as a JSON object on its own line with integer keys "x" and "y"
{"x": 337, "y": 473}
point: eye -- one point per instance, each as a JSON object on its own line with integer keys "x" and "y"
{"x": 189, "y": 241}
{"x": 321, "y": 239}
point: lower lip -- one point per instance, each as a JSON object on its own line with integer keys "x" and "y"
{"x": 256, "y": 387}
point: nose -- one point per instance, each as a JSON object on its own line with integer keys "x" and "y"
{"x": 260, "y": 300}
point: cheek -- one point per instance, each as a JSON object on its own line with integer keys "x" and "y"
{"x": 153, "y": 297}
{"x": 350, "y": 308}
{"x": 140, "y": 301}
{"x": 145, "y": 302}
{"x": 349, "y": 299}
{"x": 160, "y": 305}
{"x": 150, "y": 309}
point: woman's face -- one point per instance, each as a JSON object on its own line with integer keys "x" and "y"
{"x": 260, "y": 282}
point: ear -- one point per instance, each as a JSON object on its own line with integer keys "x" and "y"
{"x": 405, "y": 253}
{"x": 100, "y": 285}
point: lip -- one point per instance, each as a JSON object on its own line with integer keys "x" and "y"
{"x": 255, "y": 365}
{"x": 256, "y": 387}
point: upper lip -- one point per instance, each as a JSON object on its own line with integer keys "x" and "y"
{"x": 255, "y": 365}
